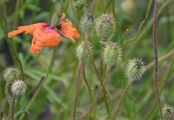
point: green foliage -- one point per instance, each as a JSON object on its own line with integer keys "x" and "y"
{"x": 131, "y": 30}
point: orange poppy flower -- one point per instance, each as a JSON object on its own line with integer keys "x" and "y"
{"x": 45, "y": 35}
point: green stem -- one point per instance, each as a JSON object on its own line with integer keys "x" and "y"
{"x": 29, "y": 105}
{"x": 141, "y": 24}
{"x": 148, "y": 26}
{"x": 10, "y": 99}
{"x": 120, "y": 102}
{"x": 12, "y": 49}
{"x": 102, "y": 88}
{"x": 75, "y": 13}
{"x": 80, "y": 70}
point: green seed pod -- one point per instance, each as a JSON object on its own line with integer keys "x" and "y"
{"x": 112, "y": 54}
{"x": 18, "y": 87}
{"x": 135, "y": 69}
{"x": 87, "y": 23}
{"x": 105, "y": 26}
{"x": 11, "y": 74}
{"x": 80, "y": 48}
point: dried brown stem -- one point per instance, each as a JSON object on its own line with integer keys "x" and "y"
{"x": 155, "y": 46}
{"x": 80, "y": 70}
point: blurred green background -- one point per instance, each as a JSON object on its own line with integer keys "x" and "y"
{"x": 55, "y": 100}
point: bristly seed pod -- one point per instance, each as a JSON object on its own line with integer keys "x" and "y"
{"x": 18, "y": 87}
{"x": 112, "y": 54}
{"x": 105, "y": 26}
{"x": 11, "y": 74}
{"x": 168, "y": 112}
{"x": 80, "y": 48}
{"x": 135, "y": 69}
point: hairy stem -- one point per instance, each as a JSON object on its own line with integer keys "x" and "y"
{"x": 106, "y": 97}
{"x": 155, "y": 46}
{"x": 10, "y": 99}
{"x": 81, "y": 68}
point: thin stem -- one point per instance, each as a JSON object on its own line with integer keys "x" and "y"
{"x": 75, "y": 13}
{"x": 162, "y": 58}
{"x": 148, "y": 26}
{"x": 1, "y": 115}
{"x": 98, "y": 95}
{"x": 80, "y": 70}
{"x": 11, "y": 109}
{"x": 29, "y": 105}
{"x": 77, "y": 91}
{"x": 10, "y": 99}
{"x": 99, "y": 75}
{"x": 87, "y": 84}
{"x": 141, "y": 24}
{"x": 12, "y": 49}
{"x": 118, "y": 107}
{"x": 155, "y": 46}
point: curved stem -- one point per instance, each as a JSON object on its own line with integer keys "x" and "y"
{"x": 80, "y": 70}
{"x": 75, "y": 13}
{"x": 155, "y": 47}
{"x": 29, "y": 105}
{"x": 106, "y": 97}
{"x": 148, "y": 26}
{"x": 12, "y": 49}
{"x": 141, "y": 24}
{"x": 10, "y": 99}
{"x": 162, "y": 58}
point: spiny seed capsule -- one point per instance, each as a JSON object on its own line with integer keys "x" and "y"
{"x": 87, "y": 23}
{"x": 135, "y": 69}
{"x": 18, "y": 87}
{"x": 80, "y": 48}
{"x": 105, "y": 26}
{"x": 11, "y": 74}
{"x": 112, "y": 54}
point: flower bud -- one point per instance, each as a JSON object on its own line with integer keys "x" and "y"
{"x": 80, "y": 48}
{"x": 167, "y": 110}
{"x": 11, "y": 74}
{"x": 18, "y": 87}
{"x": 105, "y": 26}
{"x": 135, "y": 69}
{"x": 112, "y": 53}
{"x": 87, "y": 23}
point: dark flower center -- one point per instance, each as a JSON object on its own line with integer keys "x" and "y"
{"x": 59, "y": 26}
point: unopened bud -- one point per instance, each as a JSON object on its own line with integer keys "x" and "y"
{"x": 80, "y": 49}
{"x": 135, "y": 69}
{"x": 112, "y": 53}
{"x": 18, "y": 87}
{"x": 11, "y": 74}
{"x": 105, "y": 26}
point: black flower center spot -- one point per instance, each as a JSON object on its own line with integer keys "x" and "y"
{"x": 59, "y": 27}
